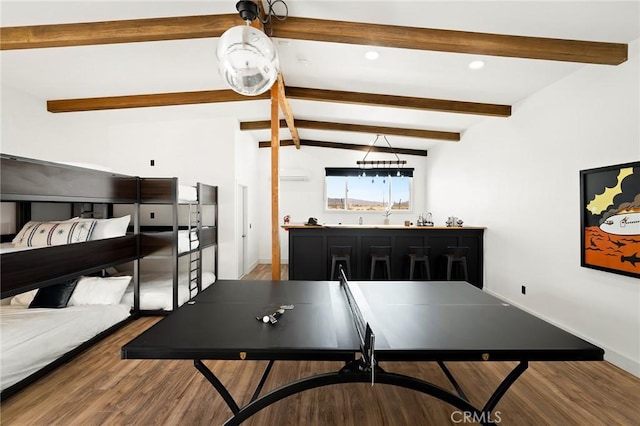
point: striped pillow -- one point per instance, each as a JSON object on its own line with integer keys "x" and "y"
{"x": 40, "y": 234}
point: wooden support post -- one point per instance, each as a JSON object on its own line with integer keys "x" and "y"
{"x": 276, "y": 93}
{"x": 275, "y": 188}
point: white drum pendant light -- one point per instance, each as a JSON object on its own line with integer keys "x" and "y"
{"x": 247, "y": 59}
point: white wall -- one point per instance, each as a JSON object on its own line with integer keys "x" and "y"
{"x": 520, "y": 178}
{"x": 304, "y": 199}
{"x": 28, "y": 130}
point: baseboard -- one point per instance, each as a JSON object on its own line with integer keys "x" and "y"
{"x": 253, "y": 266}
{"x": 621, "y": 361}
{"x": 610, "y": 355}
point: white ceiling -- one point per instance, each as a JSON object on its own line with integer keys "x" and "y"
{"x": 189, "y": 65}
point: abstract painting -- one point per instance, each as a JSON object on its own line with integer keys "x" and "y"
{"x": 610, "y": 221}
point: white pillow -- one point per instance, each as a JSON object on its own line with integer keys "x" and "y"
{"x": 24, "y": 299}
{"x": 111, "y": 228}
{"x": 23, "y": 232}
{"x": 39, "y": 234}
{"x": 99, "y": 291}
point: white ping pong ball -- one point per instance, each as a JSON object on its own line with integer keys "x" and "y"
{"x": 265, "y": 319}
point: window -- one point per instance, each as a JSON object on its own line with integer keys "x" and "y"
{"x": 354, "y": 189}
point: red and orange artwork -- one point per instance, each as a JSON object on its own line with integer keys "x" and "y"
{"x": 612, "y": 219}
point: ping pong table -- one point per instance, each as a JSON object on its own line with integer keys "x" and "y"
{"x": 362, "y": 323}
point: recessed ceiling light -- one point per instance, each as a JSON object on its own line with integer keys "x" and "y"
{"x": 372, "y": 55}
{"x": 476, "y": 65}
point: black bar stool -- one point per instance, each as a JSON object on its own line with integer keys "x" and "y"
{"x": 381, "y": 254}
{"x": 419, "y": 255}
{"x": 340, "y": 254}
{"x": 457, "y": 256}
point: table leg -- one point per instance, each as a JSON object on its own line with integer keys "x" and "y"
{"x": 262, "y": 381}
{"x": 222, "y": 390}
{"x": 356, "y": 372}
{"x": 504, "y": 386}
{"x": 452, "y": 380}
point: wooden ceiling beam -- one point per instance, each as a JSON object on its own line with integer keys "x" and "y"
{"x": 152, "y": 100}
{"x": 109, "y": 32}
{"x": 286, "y": 110}
{"x": 338, "y": 145}
{"x": 383, "y": 130}
{"x": 476, "y": 43}
{"x": 443, "y": 105}
{"x": 259, "y": 125}
{"x": 186, "y": 27}
{"x": 213, "y": 96}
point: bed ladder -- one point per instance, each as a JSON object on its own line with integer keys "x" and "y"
{"x": 195, "y": 266}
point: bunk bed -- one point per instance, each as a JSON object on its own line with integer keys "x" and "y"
{"x": 36, "y": 339}
{"x": 187, "y": 233}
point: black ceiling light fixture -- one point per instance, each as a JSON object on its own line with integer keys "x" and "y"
{"x": 387, "y": 164}
{"x": 247, "y": 59}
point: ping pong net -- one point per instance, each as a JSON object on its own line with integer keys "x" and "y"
{"x": 365, "y": 334}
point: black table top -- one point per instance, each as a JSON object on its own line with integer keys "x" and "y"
{"x": 412, "y": 321}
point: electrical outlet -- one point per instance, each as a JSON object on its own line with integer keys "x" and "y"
{"x": 152, "y": 215}
{"x": 524, "y": 289}
{"x": 153, "y": 162}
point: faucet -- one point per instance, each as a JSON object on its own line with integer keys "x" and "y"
{"x": 360, "y": 221}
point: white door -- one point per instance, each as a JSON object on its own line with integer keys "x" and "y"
{"x": 244, "y": 230}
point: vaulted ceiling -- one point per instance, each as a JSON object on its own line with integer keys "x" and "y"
{"x": 133, "y": 60}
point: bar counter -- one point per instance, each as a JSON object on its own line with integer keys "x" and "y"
{"x": 310, "y": 245}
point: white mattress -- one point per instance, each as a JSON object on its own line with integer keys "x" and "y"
{"x": 183, "y": 241}
{"x": 187, "y": 194}
{"x": 32, "y": 338}
{"x": 156, "y": 290}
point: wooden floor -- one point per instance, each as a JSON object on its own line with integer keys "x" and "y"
{"x": 98, "y": 388}
{"x": 263, "y": 272}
